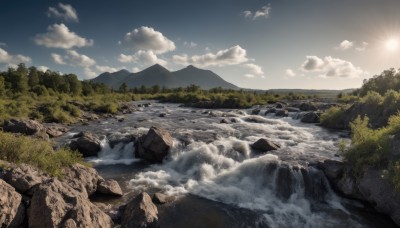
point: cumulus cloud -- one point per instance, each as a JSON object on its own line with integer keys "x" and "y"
{"x": 331, "y": 67}
{"x": 362, "y": 47}
{"x": 231, "y": 56}
{"x": 148, "y": 39}
{"x": 42, "y": 68}
{"x": 249, "y": 75}
{"x": 142, "y": 57}
{"x": 190, "y": 44}
{"x": 13, "y": 60}
{"x": 64, "y": 11}
{"x": 58, "y": 59}
{"x": 59, "y": 36}
{"x": 345, "y": 44}
{"x": 106, "y": 69}
{"x": 73, "y": 58}
{"x": 289, "y": 73}
{"x": 263, "y": 12}
{"x": 254, "y": 69}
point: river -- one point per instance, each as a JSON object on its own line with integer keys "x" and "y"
{"x": 218, "y": 180}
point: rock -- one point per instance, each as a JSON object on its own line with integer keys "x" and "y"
{"x": 162, "y": 115}
{"x": 140, "y": 212}
{"x": 309, "y": 106}
{"x": 88, "y": 144}
{"x": 255, "y": 111}
{"x": 282, "y": 113}
{"x": 12, "y": 210}
{"x": 160, "y": 198}
{"x": 380, "y": 193}
{"x": 55, "y": 204}
{"x": 127, "y": 108}
{"x": 279, "y": 105}
{"x": 333, "y": 169}
{"x": 24, "y": 177}
{"x": 26, "y": 127}
{"x": 109, "y": 187}
{"x": 154, "y": 146}
{"x": 265, "y": 145}
{"x": 311, "y": 117}
{"x": 271, "y": 110}
{"x": 292, "y": 109}
{"x": 256, "y": 119}
{"x": 83, "y": 179}
{"x": 284, "y": 180}
{"x": 224, "y": 121}
{"x": 118, "y": 137}
{"x": 55, "y": 130}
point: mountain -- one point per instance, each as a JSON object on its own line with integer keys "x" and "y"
{"x": 158, "y": 75}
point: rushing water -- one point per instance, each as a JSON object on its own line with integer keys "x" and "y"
{"x": 212, "y": 169}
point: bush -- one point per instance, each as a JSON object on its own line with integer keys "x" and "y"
{"x": 36, "y": 152}
{"x": 373, "y": 98}
{"x": 333, "y": 117}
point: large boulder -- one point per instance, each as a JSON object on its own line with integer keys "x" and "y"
{"x": 265, "y": 145}
{"x": 160, "y": 198}
{"x": 380, "y": 193}
{"x": 87, "y": 143}
{"x": 140, "y": 212}
{"x": 282, "y": 113}
{"x": 24, "y": 177}
{"x": 26, "y": 127}
{"x": 55, "y": 130}
{"x": 83, "y": 179}
{"x": 12, "y": 210}
{"x": 308, "y": 106}
{"x": 55, "y": 204}
{"x": 311, "y": 117}
{"x": 154, "y": 146}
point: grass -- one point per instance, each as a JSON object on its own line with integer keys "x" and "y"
{"x": 23, "y": 149}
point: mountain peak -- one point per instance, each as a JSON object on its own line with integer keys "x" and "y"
{"x": 157, "y": 68}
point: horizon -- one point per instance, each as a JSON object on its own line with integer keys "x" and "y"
{"x": 263, "y": 45}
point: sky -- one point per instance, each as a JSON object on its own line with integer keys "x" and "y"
{"x": 259, "y": 44}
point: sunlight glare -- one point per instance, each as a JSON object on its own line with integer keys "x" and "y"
{"x": 392, "y": 44}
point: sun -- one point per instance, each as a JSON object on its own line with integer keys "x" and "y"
{"x": 392, "y": 44}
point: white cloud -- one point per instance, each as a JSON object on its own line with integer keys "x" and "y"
{"x": 345, "y": 44}
{"x": 249, "y": 75}
{"x": 148, "y": 39}
{"x": 232, "y": 56}
{"x": 42, "y": 68}
{"x": 65, "y": 12}
{"x": 76, "y": 59}
{"x": 331, "y": 67}
{"x": 190, "y": 44}
{"x": 263, "y": 12}
{"x": 135, "y": 70}
{"x": 89, "y": 73}
{"x": 142, "y": 57}
{"x": 106, "y": 69}
{"x": 58, "y": 59}
{"x": 13, "y": 60}
{"x": 362, "y": 47}
{"x": 254, "y": 69}
{"x": 59, "y": 36}
{"x": 289, "y": 73}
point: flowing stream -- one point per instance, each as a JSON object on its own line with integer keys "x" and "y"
{"x": 218, "y": 180}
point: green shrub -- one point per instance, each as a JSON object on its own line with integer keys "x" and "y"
{"x": 373, "y": 98}
{"x": 333, "y": 117}
{"x": 36, "y": 152}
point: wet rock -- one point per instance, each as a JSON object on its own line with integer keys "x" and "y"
{"x": 333, "y": 169}
{"x": 118, "y": 137}
{"x": 255, "y": 119}
{"x": 284, "y": 181}
{"x": 280, "y": 105}
{"x": 380, "y": 193}
{"x": 308, "y": 106}
{"x": 292, "y": 109}
{"x": 162, "y": 115}
{"x": 140, "y": 212}
{"x": 127, "y": 108}
{"x": 265, "y": 145}
{"x": 256, "y": 111}
{"x": 26, "y": 127}
{"x": 55, "y": 204}
{"x": 12, "y": 210}
{"x": 120, "y": 118}
{"x": 311, "y": 117}
{"x": 271, "y": 110}
{"x": 154, "y": 146}
{"x": 88, "y": 144}
{"x": 109, "y": 187}
{"x": 160, "y": 198}
{"x": 24, "y": 177}
{"x": 282, "y": 113}
{"x": 224, "y": 121}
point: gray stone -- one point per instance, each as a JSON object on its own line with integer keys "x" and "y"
{"x": 154, "y": 146}
{"x": 12, "y": 210}
{"x": 140, "y": 212}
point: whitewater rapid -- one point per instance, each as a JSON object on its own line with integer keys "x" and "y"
{"x": 214, "y": 160}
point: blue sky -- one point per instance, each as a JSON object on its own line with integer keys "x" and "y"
{"x": 311, "y": 44}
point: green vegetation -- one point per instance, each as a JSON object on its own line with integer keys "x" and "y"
{"x": 333, "y": 117}
{"x": 39, "y": 153}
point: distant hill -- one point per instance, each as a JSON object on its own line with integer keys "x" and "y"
{"x": 158, "y": 75}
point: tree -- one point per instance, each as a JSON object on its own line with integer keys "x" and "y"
{"x": 75, "y": 86}
{"x": 123, "y": 88}
{"x": 2, "y": 85}
{"x": 33, "y": 77}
